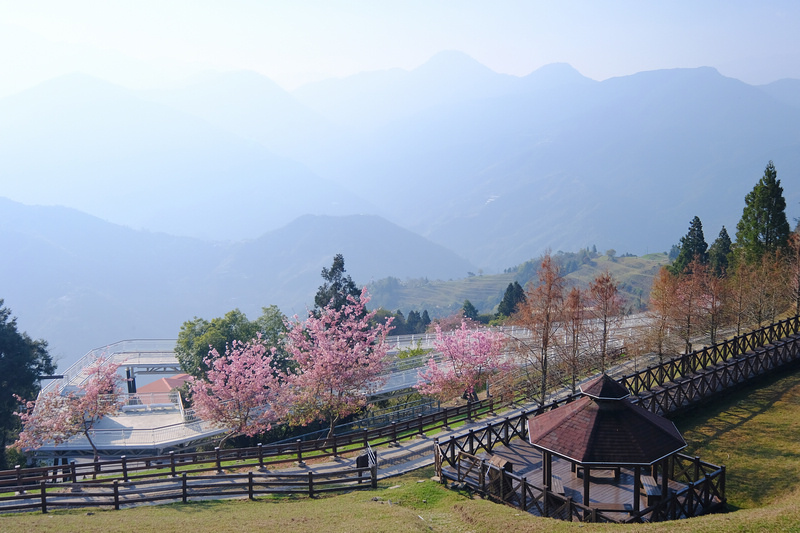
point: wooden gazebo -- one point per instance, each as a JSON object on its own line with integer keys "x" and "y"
{"x": 604, "y": 431}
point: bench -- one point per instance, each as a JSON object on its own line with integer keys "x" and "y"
{"x": 651, "y": 490}
{"x": 612, "y": 507}
{"x": 579, "y": 470}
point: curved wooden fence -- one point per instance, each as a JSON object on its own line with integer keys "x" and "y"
{"x": 665, "y": 388}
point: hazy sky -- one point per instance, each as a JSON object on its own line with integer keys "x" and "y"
{"x": 143, "y": 43}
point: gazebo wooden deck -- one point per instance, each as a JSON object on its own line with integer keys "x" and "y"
{"x": 608, "y": 493}
{"x": 597, "y": 459}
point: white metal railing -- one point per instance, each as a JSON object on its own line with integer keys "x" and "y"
{"x": 129, "y": 437}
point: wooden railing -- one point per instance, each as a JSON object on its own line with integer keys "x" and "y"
{"x": 694, "y": 388}
{"x": 687, "y": 364}
{"x": 663, "y": 388}
{"x": 174, "y": 477}
{"x": 183, "y": 487}
{"x": 125, "y": 469}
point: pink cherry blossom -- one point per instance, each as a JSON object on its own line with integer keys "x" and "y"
{"x": 468, "y": 357}
{"x": 58, "y": 415}
{"x": 242, "y": 389}
{"x": 339, "y": 357}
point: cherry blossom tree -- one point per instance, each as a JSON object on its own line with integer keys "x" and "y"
{"x": 338, "y": 358}
{"x": 242, "y": 389}
{"x": 469, "y": 356}
{"x": 61, "y": 414}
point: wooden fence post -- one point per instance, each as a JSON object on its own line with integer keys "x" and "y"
{"x": 471, "y": 439}
{"x": 373, "y": 471}
{"x": 218, "y": 460}
{"x": 300, "y": 461}
{"x": 437, "y": 455}
{"x": 116, "y": 495}
{"x": 261, "y": 467}
{"x": 445, "y": 426}
{"x": 124, "y": 469}
{"x": 43, "y": 494}
{"x": 421, "y": 433}
{"x": 250, "y": 485}
{"x": 394, "y": 442}
{"x": 310, "y": 484}
{"x": 184, "y": 488}
{"x": 172, "y": 464}
{"x": 73, "y": 470}
{"x": 20, "y": 489}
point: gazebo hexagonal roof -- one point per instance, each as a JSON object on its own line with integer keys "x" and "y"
{"x": 604, "y": 428}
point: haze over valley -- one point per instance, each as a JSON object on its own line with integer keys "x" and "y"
{"x": 127, "y": 208}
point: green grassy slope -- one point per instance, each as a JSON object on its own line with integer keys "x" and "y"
{"x": 753, "y": 432}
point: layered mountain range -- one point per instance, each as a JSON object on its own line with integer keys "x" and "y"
{"x": 228, "y": 191}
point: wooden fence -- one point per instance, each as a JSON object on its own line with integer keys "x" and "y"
{"x": 176, "y": 477}
{"x": 693, "y": 389}
{"x": 685, "y": 365}
{"x": 664, "y": 388}
{"x": 261, "y": 456}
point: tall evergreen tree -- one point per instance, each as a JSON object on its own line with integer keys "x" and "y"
{"x": 763, "y": 227}
{"x": 469, "y": 310}
{"x": 693, "y": 246}
{"x": 426, "y": 321}
{"x": 336, "y": 288}
{"x": 718, "y": 253}
{"x": 22, "y": 362}
{"x": 513, "y": 297}
{"x": 413, "y": 322}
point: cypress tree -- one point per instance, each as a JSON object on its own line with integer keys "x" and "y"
{"x": 513, "y": 296}
{"x": 718, "y": 253}
{"x": 693, "y": 245}
{"x": 763, "y": 227}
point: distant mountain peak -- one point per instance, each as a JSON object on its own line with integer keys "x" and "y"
{"x": 557, "y": 73}
{"x": 454, "y": 63}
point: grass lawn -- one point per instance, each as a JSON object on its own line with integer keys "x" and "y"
{"x": 754, "y": 432}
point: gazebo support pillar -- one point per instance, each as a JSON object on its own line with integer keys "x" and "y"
{"x": 547, "y": 469}
{"x": 586, "y": 477}
{"x": 664, "y": 477}
{"x": 637, "y": 488}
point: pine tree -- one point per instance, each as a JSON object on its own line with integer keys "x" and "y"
{"x": 469, "y": 310}
{"x": 512, "y": 298}
{"x": 718, "y": 253}
{"x": 413, "y": 322}
{"x": 763, "y": 227}
{"x": 693, "y": 246}
{"x": 426, "y": 321}
{"x": 337, "y": 287}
